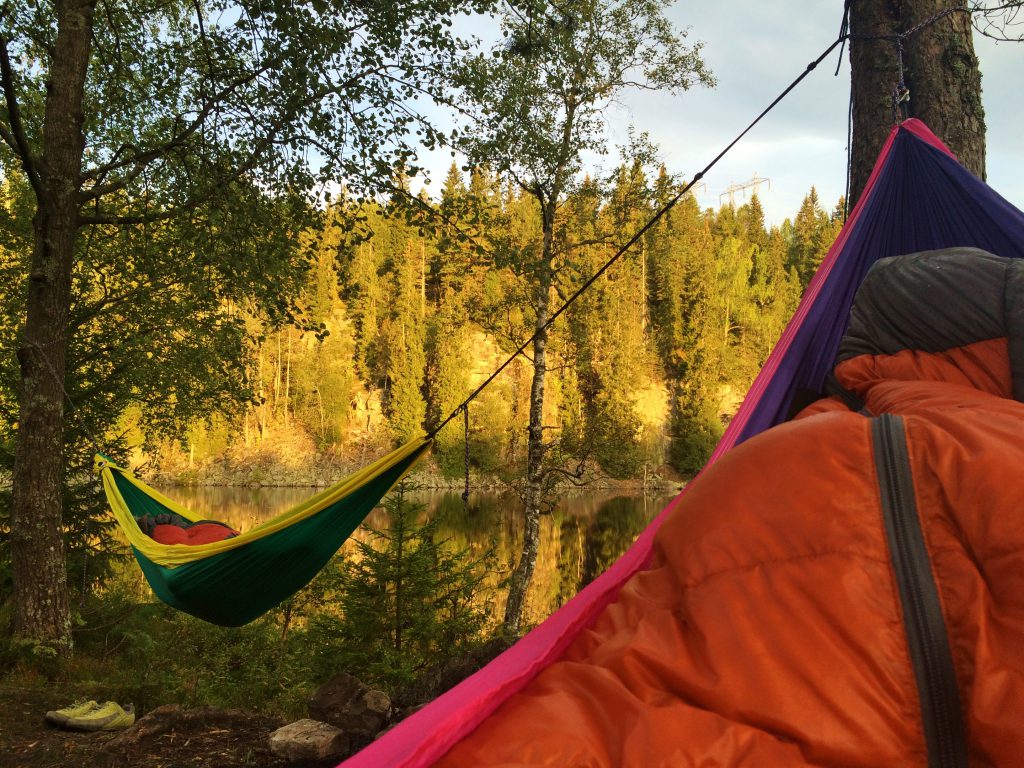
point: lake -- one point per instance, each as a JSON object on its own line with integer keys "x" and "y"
{"x": 585, "y": 534}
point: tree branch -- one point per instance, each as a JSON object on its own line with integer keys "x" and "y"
{"x": 170, "y": 213}
{"x": 142, "y": 218}
{"x": 99, "y": 307}
{"x": 143, "y": 159}
{"x": 983, "y": 23}
{"x": 15, "y": 137}
{"x": 575, "y": 477}
{"x": 146, "y": 157}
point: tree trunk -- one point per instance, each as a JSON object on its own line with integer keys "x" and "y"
{"x": 41, "y": 615}
{"x": 523, "y": 573}
{"x": 399, "y": 533}
{"x": 261, "y": 416}
{"x": 940, "y": 69}
{"x": 277, "y": 378}
{"x": 323, "y": 416}
{"x": 288, "y": 378}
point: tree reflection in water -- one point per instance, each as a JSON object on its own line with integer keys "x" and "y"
{"x": 585, "y": 534}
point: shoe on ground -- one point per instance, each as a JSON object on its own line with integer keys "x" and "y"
{"x": 79, "y": 708}
{"x": 106, "y": 717}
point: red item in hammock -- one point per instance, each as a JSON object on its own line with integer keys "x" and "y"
{"x": 200, "y": 533}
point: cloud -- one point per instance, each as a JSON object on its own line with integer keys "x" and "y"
{"x": 755, "y": 49}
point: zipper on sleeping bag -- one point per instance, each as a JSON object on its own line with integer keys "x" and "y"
{"x": 944, "y": 729}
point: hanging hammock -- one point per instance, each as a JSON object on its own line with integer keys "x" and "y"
{"x": 231, "y": 582}
{"x": 918, "y": 198}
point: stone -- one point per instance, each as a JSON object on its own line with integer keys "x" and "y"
{"x": 346, "y": 702}
{"x": 309, "y": 740}
{"x": 378, "y": 707}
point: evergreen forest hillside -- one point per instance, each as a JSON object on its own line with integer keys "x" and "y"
{"x": 400, "y": 316}
{"x": 316, "y": 340}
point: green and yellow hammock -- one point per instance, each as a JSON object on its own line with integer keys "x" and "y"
{"x": 231, "y": 582}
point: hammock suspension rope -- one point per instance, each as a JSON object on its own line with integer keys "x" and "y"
{"x": 465, "y": 439}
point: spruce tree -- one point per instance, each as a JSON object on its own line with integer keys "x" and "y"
{"x": 404, "y": 332}
{"x": 406, "y": 600}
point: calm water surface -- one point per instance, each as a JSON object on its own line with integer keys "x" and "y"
{"x": 585, "y": 534}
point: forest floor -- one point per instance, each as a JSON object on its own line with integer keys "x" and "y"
{"x": 167, "y": 738}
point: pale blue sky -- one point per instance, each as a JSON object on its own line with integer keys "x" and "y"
{"x": 755, "y": 49}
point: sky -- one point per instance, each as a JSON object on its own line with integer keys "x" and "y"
{"x": 755, "y": 49}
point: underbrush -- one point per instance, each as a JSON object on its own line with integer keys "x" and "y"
{"x": 149, "y": 655}
{"x": 407, "y": 615}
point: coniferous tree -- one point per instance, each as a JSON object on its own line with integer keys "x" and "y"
{"x": 406, "y": 602}
{"x": 449, "y": 363}
{"x": 615, "y": 316}
{"x": 813, "y": 233}
{"x": 324, "y": 364}
{"x": 450, "y": 265}
{"x": 751, "y": 222}
{"x": 733, "y": 262}
{"x": 404, "y": 335}
{"x": 365, "y": 294}
{"x": 688, "y": 328}
{"x": 773, "y": 297}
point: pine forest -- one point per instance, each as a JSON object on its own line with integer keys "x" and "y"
{"x": 398, "y": 315}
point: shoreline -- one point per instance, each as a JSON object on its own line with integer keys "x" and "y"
{"x": 638, "y": 485}
{"x": 318, "y": 472}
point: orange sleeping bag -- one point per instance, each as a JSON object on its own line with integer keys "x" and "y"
{"x": 846, "y": 589}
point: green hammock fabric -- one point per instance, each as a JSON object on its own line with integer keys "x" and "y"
{"x": 233, "y": 582}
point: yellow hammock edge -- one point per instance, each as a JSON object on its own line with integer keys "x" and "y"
{"x": 171, "y": 555}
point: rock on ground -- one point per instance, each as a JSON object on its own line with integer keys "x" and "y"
{"x": 309, "y": 740}
{"x": 347, "y": 703}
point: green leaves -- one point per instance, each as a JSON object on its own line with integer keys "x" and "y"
{"x": 539, "y": 98}
{"x": 182, "y": 97}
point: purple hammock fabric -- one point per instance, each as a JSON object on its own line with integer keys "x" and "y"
{"x": 921, "y": 199}
{"x": 918, "y": 198}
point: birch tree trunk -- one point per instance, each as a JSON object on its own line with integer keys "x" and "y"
{"x": 522, "y": 576}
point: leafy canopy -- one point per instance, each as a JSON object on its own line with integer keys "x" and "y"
{"x": 539, "y": 98}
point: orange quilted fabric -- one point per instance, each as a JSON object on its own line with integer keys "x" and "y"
{"x": 768, "y": 630}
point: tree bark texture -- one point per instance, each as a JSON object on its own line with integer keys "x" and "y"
{"x": 939, "y": 68}
{"x": 523, "y": 573}
{"x": 519, "y": 584}
{"x": 41, "y": 614}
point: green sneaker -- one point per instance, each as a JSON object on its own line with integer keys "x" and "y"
{"x": 79, "y": 708}
{"x": 106, "y": 717}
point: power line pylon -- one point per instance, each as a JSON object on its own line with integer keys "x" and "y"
{"x": 754, "y": 183}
